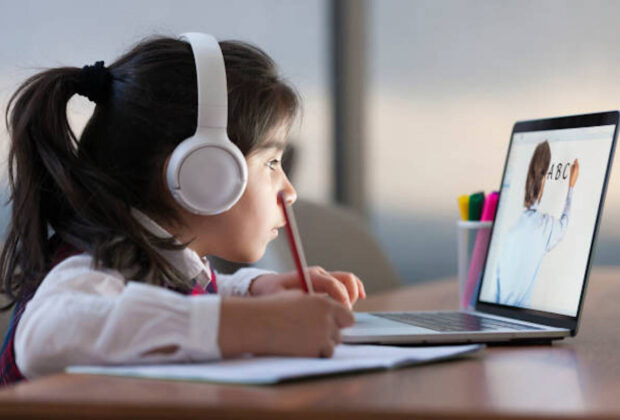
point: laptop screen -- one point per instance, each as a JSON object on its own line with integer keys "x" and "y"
{"x": 546, "y": 217}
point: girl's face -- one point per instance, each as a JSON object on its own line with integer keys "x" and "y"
{"x": 242, "y": 233}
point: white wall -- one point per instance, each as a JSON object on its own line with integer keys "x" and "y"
{"x": 38, "y": 34}
{"x": 448, "y": 79}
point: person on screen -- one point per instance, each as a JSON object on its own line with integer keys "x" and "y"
{"x": 533, "y": 236}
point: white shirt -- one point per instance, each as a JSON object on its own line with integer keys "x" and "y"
{"x": 83, "y": 315}
{"x": 523, "y": 250}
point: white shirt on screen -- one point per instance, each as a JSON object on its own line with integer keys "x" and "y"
{"x": 522, "y": 252}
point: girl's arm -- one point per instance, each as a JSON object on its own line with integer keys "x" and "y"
{"x": 84, "y": 316}
{"x": 556, "y": 229}
{"x": 238, "y": 283}
{"x": 344, "y": 287}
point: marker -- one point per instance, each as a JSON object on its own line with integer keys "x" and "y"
{"x": 476, "y": 201}
{"x": 490, "y": 206}
{"x": 292, "y": 233}
{"x": 463, "y": 201}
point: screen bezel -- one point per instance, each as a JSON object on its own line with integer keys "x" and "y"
{"x": 557, "y": 123}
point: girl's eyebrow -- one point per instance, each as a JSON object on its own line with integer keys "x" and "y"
{"x": 273, "y": 144}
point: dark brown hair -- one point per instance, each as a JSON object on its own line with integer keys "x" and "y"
{"x": 83, "y": 190}
{"x": 536, "y": 173}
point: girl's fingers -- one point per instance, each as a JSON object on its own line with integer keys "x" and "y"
{"x": 353, "y": 286}
{"x": 353, "y": 283}
{"x": 327, "y": 351}
{"x": 361, "y": 288}
{"x": 336, "y": 335}
{"x": 330, "y": 285}
{"x": 344, "y": 318}
{"x": 350, "y": 282}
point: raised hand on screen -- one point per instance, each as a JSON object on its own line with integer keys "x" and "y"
{"x": 574, "y": 173}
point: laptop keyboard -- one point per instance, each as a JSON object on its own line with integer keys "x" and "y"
{"x": 453, "y": 321}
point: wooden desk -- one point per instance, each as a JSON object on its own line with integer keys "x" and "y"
{"x": 574, "y": 378}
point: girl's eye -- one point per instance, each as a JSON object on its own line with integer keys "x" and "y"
{"x": 273, "y": 164}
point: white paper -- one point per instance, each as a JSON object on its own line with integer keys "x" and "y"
{"x": 269, "y": 370}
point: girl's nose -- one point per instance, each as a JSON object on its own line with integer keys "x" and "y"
{"x": 289, "y": 191}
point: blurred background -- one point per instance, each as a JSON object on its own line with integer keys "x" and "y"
{"x": 407, "y": 103}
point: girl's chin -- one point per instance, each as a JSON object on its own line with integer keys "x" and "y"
{"x": 254, "y": 253}
{"x": 249, "y": 257}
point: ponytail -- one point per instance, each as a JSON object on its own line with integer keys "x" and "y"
{"x": 536, "y": 172}
{"x": 57, "y": 188}
{"x": 41, "y": 159}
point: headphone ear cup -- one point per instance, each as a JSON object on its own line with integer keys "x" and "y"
{"x": 207, "y": 173}
{"x": 207, "y": 176}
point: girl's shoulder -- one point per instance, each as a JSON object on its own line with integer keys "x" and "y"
{"x": 77, "y": 273}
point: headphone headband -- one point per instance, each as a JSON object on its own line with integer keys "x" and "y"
{"x": 211, "y": 77}
{"x": 207, "y": 173}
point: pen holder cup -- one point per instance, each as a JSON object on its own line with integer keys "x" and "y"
{"x": 473, "y": 241}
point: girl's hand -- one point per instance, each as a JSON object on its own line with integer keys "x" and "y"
{"x": 574, "y": 173}
{"x": 288, "y": 324}
{"x": 345, "y": 287}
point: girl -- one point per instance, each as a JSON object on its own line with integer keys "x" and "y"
{"x": 104, "y": 266}
{"x": 533, "y": 236}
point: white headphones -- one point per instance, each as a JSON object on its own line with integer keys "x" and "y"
{"x": 207, "y": 173}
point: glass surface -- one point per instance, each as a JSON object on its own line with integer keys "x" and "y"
{"x": 544, "y": 223}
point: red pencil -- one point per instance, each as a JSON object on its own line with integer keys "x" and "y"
{"x": 292, "y": 233}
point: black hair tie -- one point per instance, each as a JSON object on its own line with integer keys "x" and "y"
{"x": 94, "y": 82}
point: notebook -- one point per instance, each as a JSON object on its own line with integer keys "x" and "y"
{"x": 271, "y": 369}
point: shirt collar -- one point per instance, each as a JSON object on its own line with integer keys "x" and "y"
{"x": 185, "y": 260}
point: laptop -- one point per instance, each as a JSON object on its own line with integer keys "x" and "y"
{"x": 535, "y": 273}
